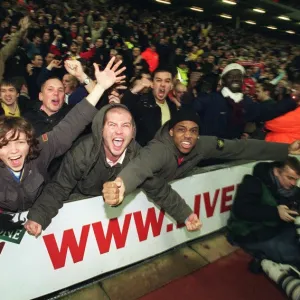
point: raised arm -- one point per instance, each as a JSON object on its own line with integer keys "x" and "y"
{"x": 59, "y": 140}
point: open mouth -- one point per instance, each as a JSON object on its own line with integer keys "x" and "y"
{"x": 118, "y": 142}
{"x": 55, "y": 102}
{"x": 16, "y": 161}
{"x": 161, "y": 92}
{"x": 186, "y": 145}
{"x": 235, "y": 85}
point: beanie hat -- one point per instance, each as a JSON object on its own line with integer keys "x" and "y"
{"x": 184, "y": 114}
{"x": 233, "y": 66}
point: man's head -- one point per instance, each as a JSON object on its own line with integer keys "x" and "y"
{"x": 162, "y": 84}
{"x": 136, "y": 51}
{"x": 288, "y": 172}
{"x": 37, "y": 40}
{"x": 74, "y": 47}
{"x": 118, "y": 131}
{"x": 264, "y": 91}
{"x": 70, "y": 83}
{"x": 52, "y": 95}
{"x": 46, "y": 37}
{"x": 8, "y": 93}
{"x": 37, "y": 61}
{"x": 179, "y": 90}
{"x": 232, "y": 77}
{"x": 184, "y": 129}
{"x": 211, "y": 59}
{"x": 49, "y": 57}
{"x": 17, "y": 142}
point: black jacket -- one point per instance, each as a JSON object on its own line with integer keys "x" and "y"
{"x": 247, "y": 204}
{"x": 147, "y": 114}
{"x": 41, "y": 122}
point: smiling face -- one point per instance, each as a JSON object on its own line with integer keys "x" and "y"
{"x": 162, "y": 84}
{"x": 185, "y": 135}
{"x": 14, "y": 153}
{"x": 233, "y": 80}
{"x": 8, "y": 95}
{"x": 52, "y": 96}
{"x": 118, "y": 131}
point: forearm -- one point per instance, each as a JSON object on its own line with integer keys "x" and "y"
{"x": 169, "y": 200}
{"x": 95, "y": 94}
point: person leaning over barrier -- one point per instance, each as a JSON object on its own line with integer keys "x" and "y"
{"x": 175, "y": 150}
{"x": 24, "y": 159}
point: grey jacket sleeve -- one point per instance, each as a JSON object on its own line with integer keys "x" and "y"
{"x": 150, "y": 160}
{"x": 212, "y": 147}
{"x": 57, "y": 191}
{"x": 169, "y": 200}
{"x": 60, "y": 139}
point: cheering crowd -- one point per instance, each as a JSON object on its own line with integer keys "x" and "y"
{"x": 101, "y": 99}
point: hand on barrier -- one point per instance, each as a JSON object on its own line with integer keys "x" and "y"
{"x": 193, "y": 223}
{"x": 113, "y": 192}
{"x": 33, "y": 228}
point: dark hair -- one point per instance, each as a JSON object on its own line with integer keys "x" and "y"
{"x": 35, "y": 55}
{"x": 8, "y": 82}
{"x": 16, "y": 125}
{"x": 291, "y": 162}
{"x": 162, "y": 69}
{"x": 268, "y": 87}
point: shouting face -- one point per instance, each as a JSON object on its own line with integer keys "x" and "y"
{"x": 8, "y": 95}
{"x": 14, "y": 153}
{"x": 118, "y": 131}
{"x": 52, "y": 96}
{"x": 185, "y": 135}
{"x": 162, "y": 84}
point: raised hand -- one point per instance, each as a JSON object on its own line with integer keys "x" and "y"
{"x": 193, "y": 223}
{"x": 55, "y": 63}
{"x": 110, "y": 75}
{"x": 24, "y": 23}
{"x": 74, "y": 68}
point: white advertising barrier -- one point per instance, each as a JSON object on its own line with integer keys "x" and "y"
{"x": 88, "y": 238}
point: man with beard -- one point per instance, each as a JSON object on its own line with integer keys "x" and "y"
{"x": 225, "y": 113}
{"x": 151, "y": 110}
{"x": 176, "y": 149}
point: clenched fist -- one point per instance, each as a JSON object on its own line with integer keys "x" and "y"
{"x": 113, "y": 192}
{"x": 193, "y": 223}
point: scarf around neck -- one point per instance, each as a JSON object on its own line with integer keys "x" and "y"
{"x": 236, "y": 97}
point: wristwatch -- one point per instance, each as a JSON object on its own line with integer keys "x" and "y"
{"x": 87, "y": 80}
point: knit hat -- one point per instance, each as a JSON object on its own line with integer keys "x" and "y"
{"x": 184, "y": 114}
{"x": 233, "y": 66}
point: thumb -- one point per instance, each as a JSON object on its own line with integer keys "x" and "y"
{"x": 119, "y": 182}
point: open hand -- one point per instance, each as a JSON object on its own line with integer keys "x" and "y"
{"x": 110, "y": 75}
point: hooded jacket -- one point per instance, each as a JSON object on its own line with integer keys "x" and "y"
{"x": 251, "y": 209}
{"x": 19, "y": 195}
{"x": 157, "y": 163}
{"x": 83, "y": 172}
{"x": 284, "y": 129}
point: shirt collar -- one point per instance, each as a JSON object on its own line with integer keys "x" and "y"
{"x": 119, "y": 161}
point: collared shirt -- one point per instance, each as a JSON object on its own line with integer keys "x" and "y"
{"x": 119, "y": 161}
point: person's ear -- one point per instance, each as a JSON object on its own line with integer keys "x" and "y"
{"x": 41, "y": 96}
{"x": 171, "y": 132}
{"x": 276, "y": 172}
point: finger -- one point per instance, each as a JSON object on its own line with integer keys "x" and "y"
{"x": 120, "y": 71}
{"x": 118, "y": 79}
{"x": 292, "y": 212}
{"x": 116, "y": 66}
{"x": 110, "y": 63}
{"x": 96, "y": 67}
{"x": 121, "y": 87}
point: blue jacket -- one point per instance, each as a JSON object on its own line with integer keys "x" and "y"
{"x": 216, "y": 114}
